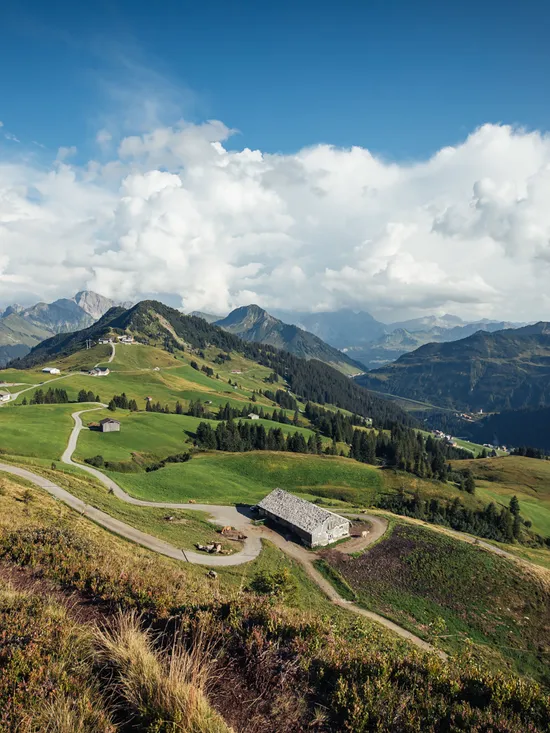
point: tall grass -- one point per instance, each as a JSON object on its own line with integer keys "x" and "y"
{"x": 164, "y": 689}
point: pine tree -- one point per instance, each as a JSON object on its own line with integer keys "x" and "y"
{"x": 469, "y": 483}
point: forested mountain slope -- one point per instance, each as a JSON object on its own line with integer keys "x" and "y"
{"x": 508, "y": 369}
{"x": 252, "y": 323}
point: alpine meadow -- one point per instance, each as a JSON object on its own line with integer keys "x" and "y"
{"x": 274, "y": 368}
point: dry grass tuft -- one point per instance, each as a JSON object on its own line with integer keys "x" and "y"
{"x": 165, "y": 690}
{"x": 64, "y": 714}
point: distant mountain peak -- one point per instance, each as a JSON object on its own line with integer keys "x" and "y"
{"x": 94, "y": 304}
{"x": 22, "y": 328}
{"x": 253, "y": 323}
{"x": 208, "y": 317}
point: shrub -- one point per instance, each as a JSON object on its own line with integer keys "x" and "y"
{"x": 97, "y": 461}
{"x": 278, "y": 583}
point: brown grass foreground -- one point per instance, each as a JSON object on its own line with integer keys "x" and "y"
{"x": 276, "y": 669}
{"x": 165, "y": 690}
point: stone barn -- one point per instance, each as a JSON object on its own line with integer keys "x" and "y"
{"x": 109, "y": 425}
{"x": 316, "y": 527}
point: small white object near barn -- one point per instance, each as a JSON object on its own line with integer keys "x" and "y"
{"x": 315, "y": 526}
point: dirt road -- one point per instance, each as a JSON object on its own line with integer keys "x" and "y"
{"x": 223, "y": 515}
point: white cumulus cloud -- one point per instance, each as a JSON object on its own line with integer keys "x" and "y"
{"x": 176, "y": 211}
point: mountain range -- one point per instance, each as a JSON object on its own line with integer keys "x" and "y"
{"x": 252, "y": 323}
{"x": 353, "y": 341}
{"x": 22, "y": 328}
{"x": 373, "y": 343}
{"x": 399, "y": 341}
{"x": 156, "y": 324}
{"x": 505, "y": 370}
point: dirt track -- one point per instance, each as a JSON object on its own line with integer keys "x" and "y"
{"x": 223, "y": 515}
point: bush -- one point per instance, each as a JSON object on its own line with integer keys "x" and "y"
{"x": 97, "y": 461}
{"x": 278, "y": 583}
{"x": 177, "y": 458}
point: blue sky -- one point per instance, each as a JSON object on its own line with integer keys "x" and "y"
{"x": 402, "y": 79}
{"x": 410, "y": 157}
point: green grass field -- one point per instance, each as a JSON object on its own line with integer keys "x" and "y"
{"x": 151, "y": 434}
{"x": 498, "y": 479}
{"x": 40, "y": 431}
{"x": 228, "y": 478}
{"x": 448, "y": 591}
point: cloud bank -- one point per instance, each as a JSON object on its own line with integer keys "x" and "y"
{"x": 176, "y": 211}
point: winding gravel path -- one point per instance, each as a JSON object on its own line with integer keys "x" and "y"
{"x": 222, "y": 515}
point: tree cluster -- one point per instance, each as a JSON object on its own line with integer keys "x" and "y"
{"x": 407, "y": 450}
{"x": 151, "y": 406}
{"x": 122, "y": 401}
{"x": 530, "y": 452}
{"x": 333, "y": 424}
{"x": 504, "y": 525}
{"x": 282, "y": 398}
{"x": 246, "y": 436}
{"x": 89, "y": 396}
{"x": 50, "y": 397}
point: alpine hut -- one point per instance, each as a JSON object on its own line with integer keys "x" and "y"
{"x": 315, "y": 526}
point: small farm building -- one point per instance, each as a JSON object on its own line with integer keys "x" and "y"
{"x": 108, "y": 425}
{"x": 315, "y": 526}
{"x": 51, "y": 370}
{"x": 99, "y": 371}
{"x": 253, "y": 416}
{"x": 5, "y": 396}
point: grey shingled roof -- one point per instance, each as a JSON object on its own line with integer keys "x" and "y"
{"x": 299, "y": 512}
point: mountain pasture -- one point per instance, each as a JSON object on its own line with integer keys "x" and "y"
{"x": 226, "y": 478}
{"x": 455, "y": 594}
{"x": 498, "y": 479}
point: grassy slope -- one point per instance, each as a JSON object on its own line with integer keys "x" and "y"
{"x": 422, "y": 578}
{"x": 41, "y": 431}
{"x": 498, "y": 479}
{"x": 247, "y": 477}
{"x": 186, "y": 529}
{"x": 191, "y": 580}
{"x": 145, "y": 371}
{"x": 154, "y": 434}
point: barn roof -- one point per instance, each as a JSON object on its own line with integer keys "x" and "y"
{"x": 109, "y": 420}
{"x": 299, "y": 512}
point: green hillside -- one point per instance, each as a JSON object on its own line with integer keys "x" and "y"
{"x": 445, "y": 589}
{"x": 62, "y": 575}
{"x": 152, "y": 323}
{"x": 498, "y": 479}
{"x": 229, "y": 478}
